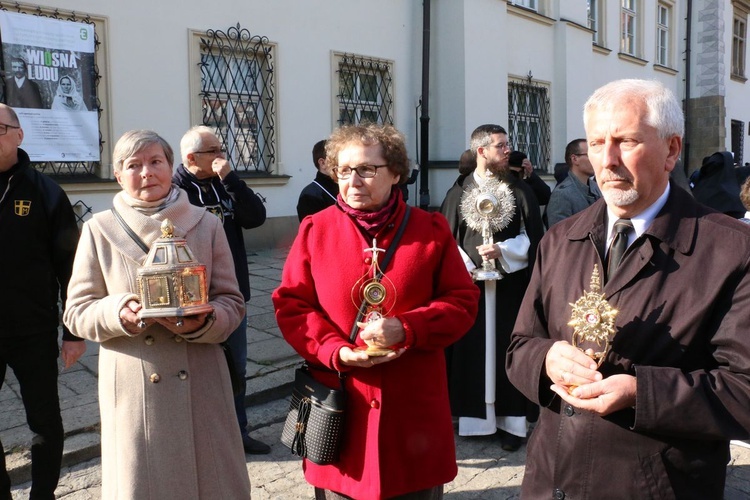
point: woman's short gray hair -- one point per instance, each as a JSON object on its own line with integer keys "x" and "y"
{"x": 134, "y": 141}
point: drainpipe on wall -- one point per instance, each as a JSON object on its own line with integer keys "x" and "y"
{"x": 688, "y": 35}
{"x": 424, "y": 119}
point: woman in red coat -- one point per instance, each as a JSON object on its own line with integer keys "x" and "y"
{"x": 398, "y": 433}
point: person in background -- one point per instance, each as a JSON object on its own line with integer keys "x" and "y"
{"x": 520, "y": 165}
{"x": 20, "y": 92}
{"x": 167, "y": 412}
{"x": 578, "y": 190}
{"x": 320, "y": 193}
{"x": 398, "y": 437}
{"x": 207, "y": 177}
{"x": 39, "y": 234}
{"x": 514, "y": 247}
{"x": 67, "y": 96}
{"x": 672, "y": 386}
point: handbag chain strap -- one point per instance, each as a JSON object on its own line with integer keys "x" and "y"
{"x": 129, "y": 231}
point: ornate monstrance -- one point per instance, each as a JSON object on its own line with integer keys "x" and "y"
{"x": 487, "y": 209}
{"x": 593, "y": 321}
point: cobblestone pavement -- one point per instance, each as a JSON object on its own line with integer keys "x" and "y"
{"x": 486, "y": 472}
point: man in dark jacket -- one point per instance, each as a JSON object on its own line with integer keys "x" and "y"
{"x": 642, "y": 370}
{"x": 19, "y": 90}
{"x": 39, "y": 235}
{"x": 210, "y": 182}
{"x": 320, "y": 193}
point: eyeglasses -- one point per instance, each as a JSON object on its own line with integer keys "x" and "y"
{"x": 364, "y": 171}
{"x": 4, "y": 128}
{"x": 581, "y": 154}
{"x": 214, "y": 152}
{"x": 502, "y": 145}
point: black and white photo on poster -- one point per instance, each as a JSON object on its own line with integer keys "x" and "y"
{"x": 49, "y": 79}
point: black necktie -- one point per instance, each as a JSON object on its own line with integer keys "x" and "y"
{"x": 619, "y": 244}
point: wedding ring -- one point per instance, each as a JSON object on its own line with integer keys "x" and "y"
{"x": 141, "y": 324}
{"x": 179, "y": 323}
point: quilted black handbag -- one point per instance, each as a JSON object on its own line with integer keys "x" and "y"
{"x": 314, "y": 425}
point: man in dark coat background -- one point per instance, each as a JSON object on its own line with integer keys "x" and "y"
{"x": 210, "y": 182}
{"x": 514, "y": 247}
{"x": 320, "y": 193}
{"x": 655, "y": 419}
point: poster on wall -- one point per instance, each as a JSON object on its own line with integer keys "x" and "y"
{"x": 49, "y": 82}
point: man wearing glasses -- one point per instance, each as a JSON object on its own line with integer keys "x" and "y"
{"x": 210, "y": 182}
{"x": 514, "y": 248}
{"x": 39, "y": 235}
{"x": 578, "y": 190}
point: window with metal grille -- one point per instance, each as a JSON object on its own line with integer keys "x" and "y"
{"x": 663, "y": 24}
{"x": 739, "y": 35}
{"x": 628, "y": 26}
{"x": 237, "y": 96}
{"x": 529, "y": 121}
{"x": 365, "y": 89}
{"x": 82, "y": 170}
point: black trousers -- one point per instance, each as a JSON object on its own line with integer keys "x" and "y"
{"x": 34, "y": 363}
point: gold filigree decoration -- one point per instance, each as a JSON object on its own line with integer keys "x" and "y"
{"x": 593, "y": 320}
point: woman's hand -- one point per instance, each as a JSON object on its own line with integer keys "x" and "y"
{"x": 350, "y": 357}
{"x": 383, "y": 332}
{"x": 183, "y": 325}
{"x": 130, "y": 320}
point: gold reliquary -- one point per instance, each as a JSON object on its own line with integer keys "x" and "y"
{"x": 171, "y": 282}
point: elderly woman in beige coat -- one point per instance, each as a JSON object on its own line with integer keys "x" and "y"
{"x": 168, "y": 424}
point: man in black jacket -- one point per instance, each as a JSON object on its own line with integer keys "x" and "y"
{"x": 39, "y": 236}
{"x": 210, "y": 182}
{"x": 320, "y": 193}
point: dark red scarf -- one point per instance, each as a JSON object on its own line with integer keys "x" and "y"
{"x": 373, "y": 222}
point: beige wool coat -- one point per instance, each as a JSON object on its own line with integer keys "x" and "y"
{"x": 169, "y": 429}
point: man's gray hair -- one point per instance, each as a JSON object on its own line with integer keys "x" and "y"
{"x": 664, "y": 109}
{"x": 134, "y": 141}
{"x": 192, "y": 141}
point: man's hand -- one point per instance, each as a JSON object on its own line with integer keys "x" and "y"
{"x": 221, "y": 167}
{"x": 71, "y": 351}
{"x": 567, "y": 366}
{"x": 603, "y": 397}
{"x": 528, "y": 168}
{"x": 489, "y": 251}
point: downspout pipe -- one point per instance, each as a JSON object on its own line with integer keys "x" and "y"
{"x": 688, "y": 42}
{"x": 424, "y": 118}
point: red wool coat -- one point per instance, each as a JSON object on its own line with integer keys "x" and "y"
{"x": 399, "y": 435}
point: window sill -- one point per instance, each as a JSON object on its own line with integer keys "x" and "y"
{"x": 632, "y": 59}
{"x": 601, "y": 49}
{"x": 665, "y": 69}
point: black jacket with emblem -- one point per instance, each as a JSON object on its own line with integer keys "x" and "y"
{"x": 39, "y": 235}
{"x": 235, "y": 204}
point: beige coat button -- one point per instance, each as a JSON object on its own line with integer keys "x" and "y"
{"x": 177, "y": 338}
{"x": 182, "y": 374}
{"x": 155, "y": 378}
{"x": 149, "y": 340}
